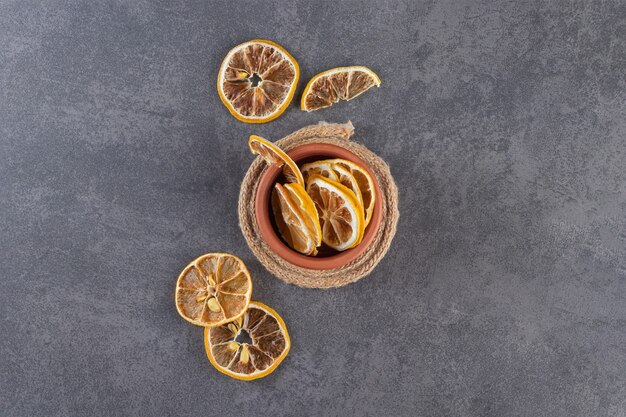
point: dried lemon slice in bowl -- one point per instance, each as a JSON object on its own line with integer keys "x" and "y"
{"x": 276, "y": 156}
{"x": 340, "y": 213}
{"x": 297, "y": 223}
{"x": 331, "y": 169}
{"x": 322, "y": 168}
{"x": 305, "y": 205}
{"x": 213, "y": 289}
{"x": 347, "y": 179}
{"x": 257, "y": 80}
{"x": 365, "y": 183}
{"x": 250, "y": 347}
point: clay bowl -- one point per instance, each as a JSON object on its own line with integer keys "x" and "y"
{"x": 327, "y": 258}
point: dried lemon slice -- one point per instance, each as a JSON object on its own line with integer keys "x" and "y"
{"x": 292, "y": 222}
{"x": 322, "y": 168}
{"x": 213, "y": 289}
{"x": 257, "y": 80}
{"x": 341, "y": 216}
{"x": 333, "y": 171}
{"x": 274, "y": 155}
{"x": 306, "y": 207}
{"x": 344, "y": 83}
{"x": 250, "y": 347}
{"x": 345, "y": 177}
{"x": 365, "y": 182}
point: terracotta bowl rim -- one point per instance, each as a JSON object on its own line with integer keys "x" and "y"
{"x": 274, "y": 241}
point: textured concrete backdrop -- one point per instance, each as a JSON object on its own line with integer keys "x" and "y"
{"x": 504, "y": 125}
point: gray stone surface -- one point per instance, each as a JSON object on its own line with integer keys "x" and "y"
{"x": 504, "y": 125}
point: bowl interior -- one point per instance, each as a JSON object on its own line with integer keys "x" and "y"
{"x": 327, "y": 258}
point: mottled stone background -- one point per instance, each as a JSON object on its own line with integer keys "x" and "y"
{"x": 504, "y": 293}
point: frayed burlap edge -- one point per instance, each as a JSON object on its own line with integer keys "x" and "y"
{"x": 336, "y": 134}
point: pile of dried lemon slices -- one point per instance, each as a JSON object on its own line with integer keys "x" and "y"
{"x": 325, "y": 202}
{"x": 329, "y": 201}
{"x": 243, "y": 339}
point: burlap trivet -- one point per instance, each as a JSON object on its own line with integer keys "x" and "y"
{"x": 336, "y": 134}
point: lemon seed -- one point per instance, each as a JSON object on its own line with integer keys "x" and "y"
{"x": 245, "y": 355}
{"x": 214, "y": 306}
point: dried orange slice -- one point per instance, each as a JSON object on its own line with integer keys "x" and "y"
{"x": 365, "y": 182}
{"x": 213, "y": 289}
{"x": 274, "y": 155}
{"x": 257, "y": 80}
{"x": 322, "y": 168}
{"x": 292, "y": 222}
{"x": 344, "y": 83}
{"x": 250, "y": 347}
{"x": 341, "y": 215}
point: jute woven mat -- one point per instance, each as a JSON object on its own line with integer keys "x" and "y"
{"x": 336, "y": 134}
